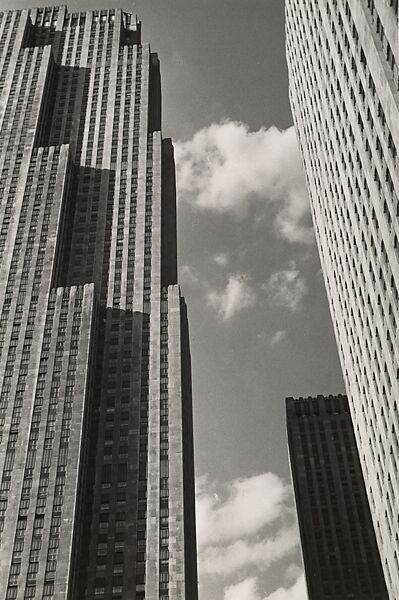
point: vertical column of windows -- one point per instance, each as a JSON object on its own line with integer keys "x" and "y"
{"x": 164, "y": 455}
{"x": 143, "y": 463}
{"x": 16, "y": 93}
{"x": 134, "y": 179}
{"x": 148, "y": 227}
{"x": 7, "y": 40}
{"x": 81, "y": 31}
{"x": 120, "y": 190}
{"x": 94, "y": 58}
{"x": 106, "y": 34}
{"x": 385, "y": 47}
{"x": 92, "y": 43}
{"x": 117, "y": 108}
{"x": 8, "y": 187}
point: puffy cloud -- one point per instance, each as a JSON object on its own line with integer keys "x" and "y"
{"x": 278, "y": 337}
{"x": 225, "y": 167}
{"x": 236, "y": 296}
{"x": 248, "y": 505}
{"x": 286, "y": 288}
{"x": 244, "y": 526}
{"x": 243, "y": 553}
{"x": 221, "y": 259}
{"x": 248, "y": 589}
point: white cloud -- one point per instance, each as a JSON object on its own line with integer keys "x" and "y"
{"x": 248, "y": 589}
{"x": 246, "y": 506}
{"x": 286, "y": 288}
{"x": 278, "y": 337}
{"x": 221, "y": 259}
{"x": 225, "y": 167}
{"x": 236, "y": 296}
{"x": 243, "y": 554}
{"x": 243, "y": 527}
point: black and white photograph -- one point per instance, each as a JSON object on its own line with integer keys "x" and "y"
{"x": 199, "y": 300}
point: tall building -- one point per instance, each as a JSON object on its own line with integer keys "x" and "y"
{"x": 96, "y": 453}
{"x": 343, "y": 60}
{"x": 339, "y": 546}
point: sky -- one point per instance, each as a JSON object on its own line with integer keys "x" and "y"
{"x": 249, "y": 269}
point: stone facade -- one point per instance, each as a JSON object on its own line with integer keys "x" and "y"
{"x": 339, "y": 546}
{"x": 343, "y": 60}
{"x": 96, "y": 453}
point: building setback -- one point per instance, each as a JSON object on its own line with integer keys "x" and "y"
{"x": 96, "y": 453}
{"x": 343, "y": 61}
{"x": 339, "y": 546}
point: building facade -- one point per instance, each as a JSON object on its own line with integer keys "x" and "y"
{"x": 343, "y": 60}
{"x": 96, "y": 453}
{"x": 339, "y": 546}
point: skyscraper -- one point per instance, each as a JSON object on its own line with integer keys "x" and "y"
{"x": 343, "y": 60}
{"x": 96, "y": 453}
{"x": 339, "y": 546}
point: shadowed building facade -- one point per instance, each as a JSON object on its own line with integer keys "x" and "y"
{"x": 339, "y": 546}
{"x": 96, "y": 453}
{"x": 343, "y": 61}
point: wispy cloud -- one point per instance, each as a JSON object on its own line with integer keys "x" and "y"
{"x": 248, "y": 589}
{"x": 236, "y": 296}
{"x": 221, "y": 259}
{"x": 245, "y": 590}
{"x": 278, "y": 337}
{"x": 286, "y": 288}
{"x": 242, "y": 554}
{"x": 188, "y": 274}
{"x": 225, "y": 167}
{"x": 295, "y": 592}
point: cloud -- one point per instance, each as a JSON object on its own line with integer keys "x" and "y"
{"x": 188, "y": 274}
{"x": 244, "y": 526}
{"x": 286, "y": 288}
{"x": 221, "y": 259}
{"x": 248, "y": 505}
{"x": 243, "y": 554}
{"x": 236, "y": 296}
{"x": 245, "y": 590}
{"x": 226, "y": 167}
{"x": 248, "y": 589}
{"x": 292, "y": 572}
{"x": 278, "y": 337}
{"x": 296, "y": 592}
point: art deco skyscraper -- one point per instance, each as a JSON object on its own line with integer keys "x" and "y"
{"x": 96, "y": 453}
{"x": 339, "y": 546}
{"x": 343, "y": 59}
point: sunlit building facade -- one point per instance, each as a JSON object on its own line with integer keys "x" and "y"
{"x": 96, "y": 453}
{"x": 343, "y": 60}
